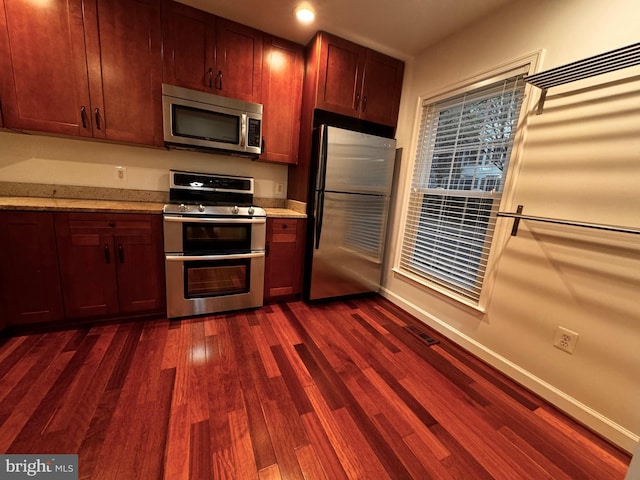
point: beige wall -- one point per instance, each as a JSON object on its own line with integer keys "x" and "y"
{"x": 64, "y": 161}
{"x": 579, "y": 160}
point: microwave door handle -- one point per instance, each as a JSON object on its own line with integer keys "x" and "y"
{"x": 243, "y": 129}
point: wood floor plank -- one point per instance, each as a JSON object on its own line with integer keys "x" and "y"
{"x": 16, "y": 351}
{"x": 550, "y": 470}
{"x": 310, "y": 463}
{"x": 320, "y": 441}
{"x": 43, "y": 414}
{"x": 28, "y": 405}
{"x": 244, "y": 460}
{"x": 347, "y": 452}
{"x": 222, "y": 466}
{"x": 339, "y": 390}
{"x": 286, "y": 446}
{"x": 178, "y": 446}
{"x": 17, "y": 382}
{"x": 200, "y": 454}
{"x": 599, "y": 461}
{"x": 292, "y": 381}
{"x": 84, "y": 392}
{"x": 266, "y": 355}
{"x": 401, "y": 449}
{"x": 469, "y": 438}
{"x": 270, "y": 473}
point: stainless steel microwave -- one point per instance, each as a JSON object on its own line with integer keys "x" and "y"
{"x": 199, "y": 120}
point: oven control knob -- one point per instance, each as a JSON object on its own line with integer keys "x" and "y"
{"x": 201, "y": 208}
{"x": 182, "y": 207}
{"x": 235, "y": 209}
{"x": 251, "y": 210}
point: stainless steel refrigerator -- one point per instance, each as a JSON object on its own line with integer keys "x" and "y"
{"x": 349, "y": 212}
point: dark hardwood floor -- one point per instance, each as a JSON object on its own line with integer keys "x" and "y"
{"x": 337, "y": 391}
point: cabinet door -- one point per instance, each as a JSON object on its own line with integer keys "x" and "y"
{"x": 283, "y": 268}
{"x": 140, "y": 271}
{"x": 282, "y": 74}
{"x": 29, "y": 278}
{"x": 238, "y": 61}
{"x": 125, "y": 69}
{"x": 339, "y": 75}
{"x": 188, "y": 43}
{"x": 43, "y": 85}
{"x": 381, "y": 88}
{"x": 87, "y": 266}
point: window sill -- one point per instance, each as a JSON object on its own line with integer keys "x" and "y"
{"x": 450, "y": 296}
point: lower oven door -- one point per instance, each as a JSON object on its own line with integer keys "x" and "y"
{"x": 202, "y": 284}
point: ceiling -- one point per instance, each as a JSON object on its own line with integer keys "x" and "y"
{"x": 401, "y": 29}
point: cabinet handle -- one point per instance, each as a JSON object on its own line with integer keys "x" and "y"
{"x": 107, "y": 253}
{"x": 211, "y": 78}
{"x": 364, "y": 104}
{"x": 83, "y": 116}
{"x": 357, "y": 104}
{"x": 219, "y": 79}
{"x": 121, "y": 252}
{"x": 266, "y": 249}
{"x": 263, "y": 146}
{"x": 284, "y": 227}
{"x": 97, "y": 113}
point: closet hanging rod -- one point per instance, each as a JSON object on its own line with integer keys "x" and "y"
{"x": 517, "y": 216}
{"x": 618, "y": 59}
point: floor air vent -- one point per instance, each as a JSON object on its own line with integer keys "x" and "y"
{"x": 421, "y": 335}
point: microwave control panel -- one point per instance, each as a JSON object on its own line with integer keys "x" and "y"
{"x": 253, "y": 136}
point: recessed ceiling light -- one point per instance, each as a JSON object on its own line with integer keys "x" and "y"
{"x": 305, "y": 14}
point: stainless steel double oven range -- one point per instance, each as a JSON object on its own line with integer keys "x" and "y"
{"x": 214, "y": 244}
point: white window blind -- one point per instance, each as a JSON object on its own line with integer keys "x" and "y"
{"x": 462, "y": 157}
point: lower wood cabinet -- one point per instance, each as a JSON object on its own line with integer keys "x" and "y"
{"x": 62, "y": 267}
{"x": 29, "y": 278}
{"x": 110, "y": 263}
{"x": 285, "y": 253}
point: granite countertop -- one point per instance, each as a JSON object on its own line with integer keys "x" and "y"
{"x": 69, "y": 198}
{"x": 108, "y": 206}
{"x": 283, "y": 213}
{"x": 78, "y": 205}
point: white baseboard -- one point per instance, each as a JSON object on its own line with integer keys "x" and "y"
{"x": 607, "y": 428}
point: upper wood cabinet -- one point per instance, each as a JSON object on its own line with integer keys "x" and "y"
{"x": 207, "y": 53}
{"x": 355, "y": 81}
{"x": 188, "y": 45}
{"x": 125, "y": 69}
{"x": 90, "y": 68}
{"x": 348, "y": 86}
{"x": 238, "y": 61}
{"x": 282, "y": 76}
{"x": 44, "y": 84}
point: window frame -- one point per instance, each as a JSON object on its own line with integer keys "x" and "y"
{"x": 528, "y": 65}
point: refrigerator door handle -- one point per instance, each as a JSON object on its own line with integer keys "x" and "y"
{"x": 319, "y": 214}
{"x": 322, "y": 158}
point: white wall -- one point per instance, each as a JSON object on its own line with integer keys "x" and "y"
{"x": 64, "y": 161}
{"x": 580, "y": 160}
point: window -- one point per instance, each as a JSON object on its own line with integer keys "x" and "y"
{"x": 462, "y": 156}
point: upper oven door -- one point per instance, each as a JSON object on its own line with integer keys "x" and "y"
{"x": 205, "y": 235}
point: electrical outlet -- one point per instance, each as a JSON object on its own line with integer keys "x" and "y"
{"x": 121, "y": 174}
{"x": 279, "y": 188}
{"x": 565, "y": 339}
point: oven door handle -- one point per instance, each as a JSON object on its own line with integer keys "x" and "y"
{"x": 191, "y": 258}
{"x": 259, "y": 220}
